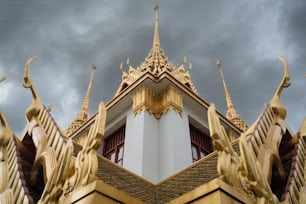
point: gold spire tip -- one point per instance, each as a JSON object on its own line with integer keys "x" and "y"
{"x": 218, "y": 63}
{"x": 156, "y": 6}
{"x": 94, "y": 66}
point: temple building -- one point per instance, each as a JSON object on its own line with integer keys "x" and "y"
{"x": 155, "y": 141}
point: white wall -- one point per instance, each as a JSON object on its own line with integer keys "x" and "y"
{"x": 151, "y": 151}
{"x": 133, "y": 144}
{"x": 156, "y": 149}
{"x": 175, "y": 149}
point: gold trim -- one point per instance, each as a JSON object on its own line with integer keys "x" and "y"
{"x": 157, "y": 103}
{"x": 148, "y": 76}
{"x": 100, "y": 192}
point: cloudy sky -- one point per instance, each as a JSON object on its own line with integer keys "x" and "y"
{"x": 68, "y": 36}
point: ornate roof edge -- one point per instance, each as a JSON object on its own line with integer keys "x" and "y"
{"x": 13, "y": 187}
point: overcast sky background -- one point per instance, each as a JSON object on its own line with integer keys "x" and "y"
{"x": 68, "y": 36}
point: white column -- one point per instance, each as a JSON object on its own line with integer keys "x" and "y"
{"x": 133, "y": 144}
{"x": 141, "y": 152}
{"x": 175, "y": 149}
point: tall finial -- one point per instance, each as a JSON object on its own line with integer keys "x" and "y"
{"x": 86, "y": 99}
{"x": 231, "y": 113}
{"x": 83, "y": 114}
{"x": 156, "y": 42}
{"x": 228, "y": 99}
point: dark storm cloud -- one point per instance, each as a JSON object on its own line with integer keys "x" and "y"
{"x": 68, "y": 36}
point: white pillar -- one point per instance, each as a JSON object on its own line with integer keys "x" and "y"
{"x": 141, "y": 151}
{"x": 175, "y": 149}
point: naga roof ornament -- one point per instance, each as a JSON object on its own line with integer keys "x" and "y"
{"x": 156, "y": 63}
{"x": 275, "y": 102}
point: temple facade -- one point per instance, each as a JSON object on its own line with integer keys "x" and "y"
{"x": 156, "y": 141}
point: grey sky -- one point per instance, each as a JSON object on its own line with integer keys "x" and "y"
{"x": 68, "y": 36}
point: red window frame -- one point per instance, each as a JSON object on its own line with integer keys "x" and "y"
{"x": 113, "y": 147}
{"x": 201, "y": 143}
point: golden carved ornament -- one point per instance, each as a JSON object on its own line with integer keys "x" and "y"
{"x": 252, "y": 170}
{"x": 228, "y": 160}
{"x": 45, "y": 155}
{"x": 85, "y": 166}
{"x": 33, "y": 110}
{"x": 6, "y": 193}
{"x": 275, "y": 102}
{"x": 244, "y": 171}
{"x": 54, "y": 186}
{"x": 157, "y": 103}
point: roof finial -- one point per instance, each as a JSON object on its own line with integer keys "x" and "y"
{"x": 86, "y": 99}
{"x": 156, "y": 42}
{"x": 83, "y": 114}
{"x": 228, "y": 99}
{"x": 231, "y": 113}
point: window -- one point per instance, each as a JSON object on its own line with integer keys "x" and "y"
{"x": 114, "y": 146}
{"x": 201, "y": 144}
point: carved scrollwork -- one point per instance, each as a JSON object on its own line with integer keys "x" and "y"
{"x": 244, "y": 172}
{"x": 86, "y": 162}
{"x": 54, "y": 186}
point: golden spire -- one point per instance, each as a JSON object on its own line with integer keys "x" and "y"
{"x": 156, "y": 63}
{"x": 156, "y": 41}
{"x": 86, "y": 99}
{"x": 231, "y": 113}
{"x": 83, "y": 114}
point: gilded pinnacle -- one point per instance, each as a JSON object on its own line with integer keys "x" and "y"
{"x": 156, "y": 41}
{"x": 227, "y": 96}
{"x": 83, "y": 114}
{"x": 156, "y": 6}
{"x": 231, "y": 113}
{"x": 219, "y": 63}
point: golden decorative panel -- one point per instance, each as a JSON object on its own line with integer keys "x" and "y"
{"x": 157, "y": 103}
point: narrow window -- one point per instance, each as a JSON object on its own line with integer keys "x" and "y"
{"x": 114, "y": 146}
{"x": 201, "y": 144}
